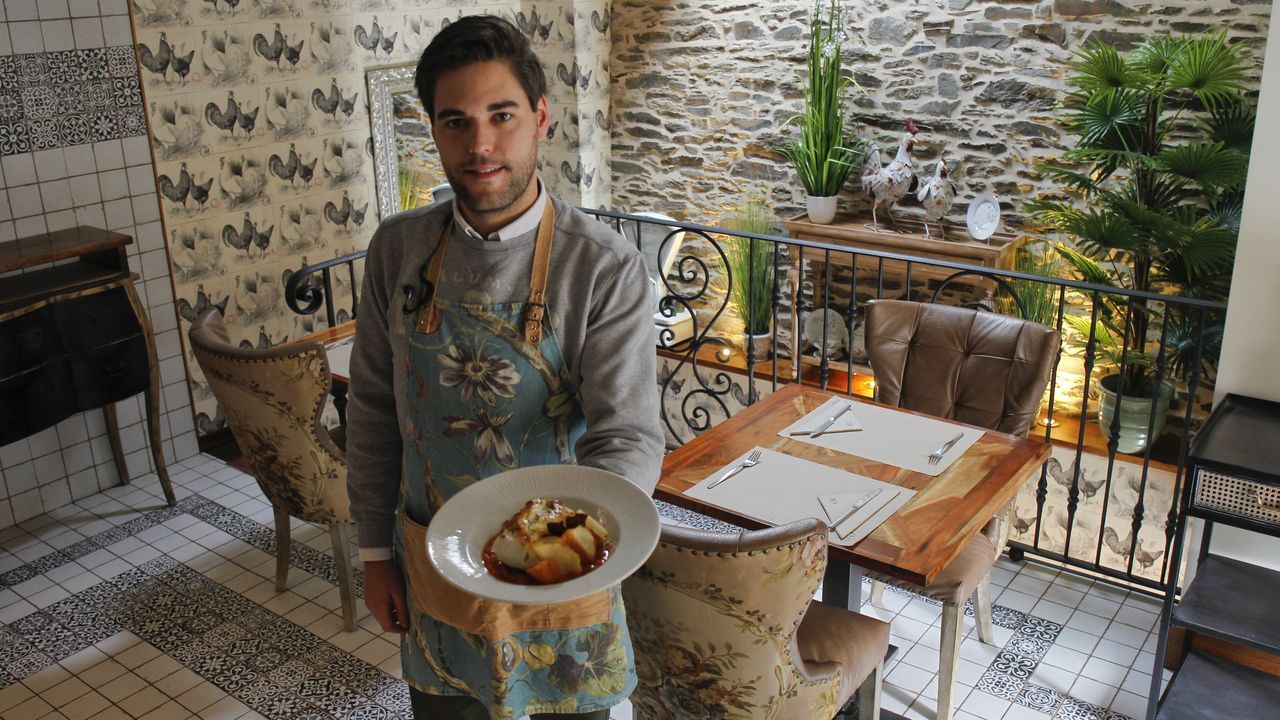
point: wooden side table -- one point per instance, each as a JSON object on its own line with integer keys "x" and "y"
{"x": 75, "y": 337}
{"x": 855, "y": 233}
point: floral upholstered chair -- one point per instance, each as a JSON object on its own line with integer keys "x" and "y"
{"x": 725, "y": 627}
{"x": 273, "y": 400}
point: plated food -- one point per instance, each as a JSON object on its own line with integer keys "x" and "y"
{"x": 546, "y": 542}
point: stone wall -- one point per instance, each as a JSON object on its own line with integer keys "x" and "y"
{"x": 702, "y": 89}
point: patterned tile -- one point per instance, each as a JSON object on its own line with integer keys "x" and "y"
{"x": 1038, "y": 698}
{"x": 1009, "y": 618}
{"x": 1028, "y": 646}
{"x": 1001, "y": 684}
{"x": 1040, "y": 628}
{"x": 1073, "y": 709}
{"x": 1012, "y": 664}
{"x": 68, "y": 97}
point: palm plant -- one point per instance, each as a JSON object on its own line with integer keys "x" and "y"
{"x": 1160, "y": 160}
{"x": 751, "y": 266}
{"x": 822, "y": 155}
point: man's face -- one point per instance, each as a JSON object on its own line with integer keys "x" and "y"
{"x": 488, "y": 139}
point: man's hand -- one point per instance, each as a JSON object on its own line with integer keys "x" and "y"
{"x": 384, "y": 595}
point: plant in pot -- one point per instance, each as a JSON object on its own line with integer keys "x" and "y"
{"x": 1159, "y": 168}
{"x": 752, "y": 286}
{"x": 822, "y": 154}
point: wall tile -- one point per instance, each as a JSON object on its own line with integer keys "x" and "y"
{"x": 5, "y": 214}
{"x": 114, "y": 183}
{"x": 14, "y": 453}
{"x": 25, "y": 199}
{"x": 88, "y": 33}
{"x": 60, "y": 220}
{"x": 33, "y": 225}
{"x": 6, "y": 45}
{"x": 19, "y": 170}
{"x": 51, "y": 9}
{"x": 55, "y": 195}
{"x": 83, "y": 8}
{"x": 7, "y": 232}
{"x": 109, "y": 155}
{"x": 116, "y": 30}
{"x": 50, "y": 165}
{"x": 85, "y": 190}
{"x": 92, "y": 215}
{"x": 17, "y": 10}
{"x": 79, "y": 160}
{"x": 119, "y": 213}
{"x": 57, "y": 35}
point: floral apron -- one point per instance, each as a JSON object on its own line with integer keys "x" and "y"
{"x": 488, "y": 391}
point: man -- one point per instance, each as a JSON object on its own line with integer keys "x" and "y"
{"x": 504, "y": 330}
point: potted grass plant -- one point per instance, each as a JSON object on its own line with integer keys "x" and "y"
{"x": 751, "y": 275}
{"x": 822, "y": 154}
{"x": 1159, "y": 162}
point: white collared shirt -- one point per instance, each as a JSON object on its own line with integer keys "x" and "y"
{"x": 526, "y": 223}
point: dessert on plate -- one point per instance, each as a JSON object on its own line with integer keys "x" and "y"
{"x": 546, "y": 542}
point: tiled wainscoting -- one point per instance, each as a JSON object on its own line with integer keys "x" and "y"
{"x": 117, "y": 606}
{"x": 74, "y": 151}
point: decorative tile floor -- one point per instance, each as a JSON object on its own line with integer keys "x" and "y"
{"x": 121, "y": 607}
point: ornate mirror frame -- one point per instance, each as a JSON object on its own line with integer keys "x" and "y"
{"x": 384, "y": 83}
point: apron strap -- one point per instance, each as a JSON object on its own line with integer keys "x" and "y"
{"x": 428, "y": 314}
{"x": 536, "y": 308}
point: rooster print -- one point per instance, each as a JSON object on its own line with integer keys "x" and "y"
{"x": 299, "y": 228}
{"x": 195, "y": 252}
{"x": 373, "y": 39}
{"x": 330, "y": 47}
{"x": 225, "y": 58}
{"x": 242, "y": 181}
{"x": 248, "y": 236}
{"x": 176, "y": 130}
{"x": 160, "y": 13}
{"x": 1102, "y": 524}
{"x": 232, "y": 121}
{"x": 337, "y": 104}
{"x": 286, "y": 113}
{"x": 185, "y": 193}
{"x": 342, "y": 160}
{"x": 257, "y": 296}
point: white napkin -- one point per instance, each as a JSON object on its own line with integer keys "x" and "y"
{"x": 339, "y": 355}
{"x": 893, "y": 437}
{"x": 782, "y": 489}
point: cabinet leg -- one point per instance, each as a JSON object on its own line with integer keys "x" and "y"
{"x": 113, "y": 436}
{"x": 157, "y": 446}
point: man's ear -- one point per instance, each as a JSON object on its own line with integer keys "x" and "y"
{"x": 543, "y": 113}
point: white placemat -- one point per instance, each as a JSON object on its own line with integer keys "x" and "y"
{"x": 339, "y": 355}
{"x": 783, "y": 489}
{"x": 889, "y": 436}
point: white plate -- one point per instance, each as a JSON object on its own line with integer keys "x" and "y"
{"x": 984, "y": 216}
{"x": 837, "y": 333}
{"x": 459, "y": 530}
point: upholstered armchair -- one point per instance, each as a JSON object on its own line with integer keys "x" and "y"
{"x": 273, "y": 400}
{"x": 975, "y": 367}
{"x": 725, "y": 625}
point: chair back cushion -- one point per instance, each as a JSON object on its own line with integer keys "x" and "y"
{"x": 976, "y": 367}
{"x": 273, "y": 400}
{"x": 713, "y": 620}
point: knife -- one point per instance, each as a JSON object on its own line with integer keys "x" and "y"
{"x": 857, "y": 506}
{"x": 891, "y": 496}
{"x": 830, "y": 421}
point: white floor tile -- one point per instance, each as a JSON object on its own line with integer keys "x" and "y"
{"x": 1094, "y": 692}
{"x": 1113, "y": 651}
{"x": 1104, "y": 672}
{"x": 1066, "y": 659}
{"x": 985, "y": 705}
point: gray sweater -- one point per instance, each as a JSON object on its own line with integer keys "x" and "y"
{"x": 599, "y": 308}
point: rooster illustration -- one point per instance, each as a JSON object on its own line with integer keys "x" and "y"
{"x": 270, "y": 51}
{"x": 223, "y": 119}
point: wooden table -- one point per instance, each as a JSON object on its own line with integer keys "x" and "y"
{"x": 917, "y": 542}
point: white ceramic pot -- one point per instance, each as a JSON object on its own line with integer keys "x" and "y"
{"x": 822, "y": 210}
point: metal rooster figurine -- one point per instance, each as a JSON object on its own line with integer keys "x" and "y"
{"x": 889, "y": 183}
{"x": 936, "y": 194}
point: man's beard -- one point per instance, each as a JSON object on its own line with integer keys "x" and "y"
{"x": 521, "y": 174}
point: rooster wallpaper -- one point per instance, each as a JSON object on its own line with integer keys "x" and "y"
{"x": 259, "y": 121}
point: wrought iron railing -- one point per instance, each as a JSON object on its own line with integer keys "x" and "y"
{"x": 1110, "y": 512}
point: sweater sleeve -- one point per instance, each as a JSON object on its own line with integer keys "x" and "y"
{"x": 373, "y": 433}
{"x": 616, "y": 378}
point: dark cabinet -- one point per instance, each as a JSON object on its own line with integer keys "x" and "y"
{"x": 74, "y": 337}
{"x": 1233, "y": 478}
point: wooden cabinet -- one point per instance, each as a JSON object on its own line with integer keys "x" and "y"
{"x": 74, "y": 337}
{"x": 1230, "y": 668}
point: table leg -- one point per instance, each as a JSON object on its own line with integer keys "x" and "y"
{"x": 797, "y": 279}
{"x": 113, "y": 437}
{"x": 842, "y": 585}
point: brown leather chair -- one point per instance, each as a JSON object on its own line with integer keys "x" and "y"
{"x": 273, "y": 400}
{"x": 726, "y": 624}
{"x": 974, "y": 367}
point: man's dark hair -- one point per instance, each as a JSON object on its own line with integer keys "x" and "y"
{"x": 473, "y": 39}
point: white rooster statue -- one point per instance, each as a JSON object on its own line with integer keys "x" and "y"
{"x": 936, "y": 194}
{"x": 889, "y": 183}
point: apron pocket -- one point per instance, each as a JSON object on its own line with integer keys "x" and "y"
{"x": 432, "y": 595}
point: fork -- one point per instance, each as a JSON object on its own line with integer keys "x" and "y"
{"x": 752, "y": 459}
{"x": 936, "y": 455}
